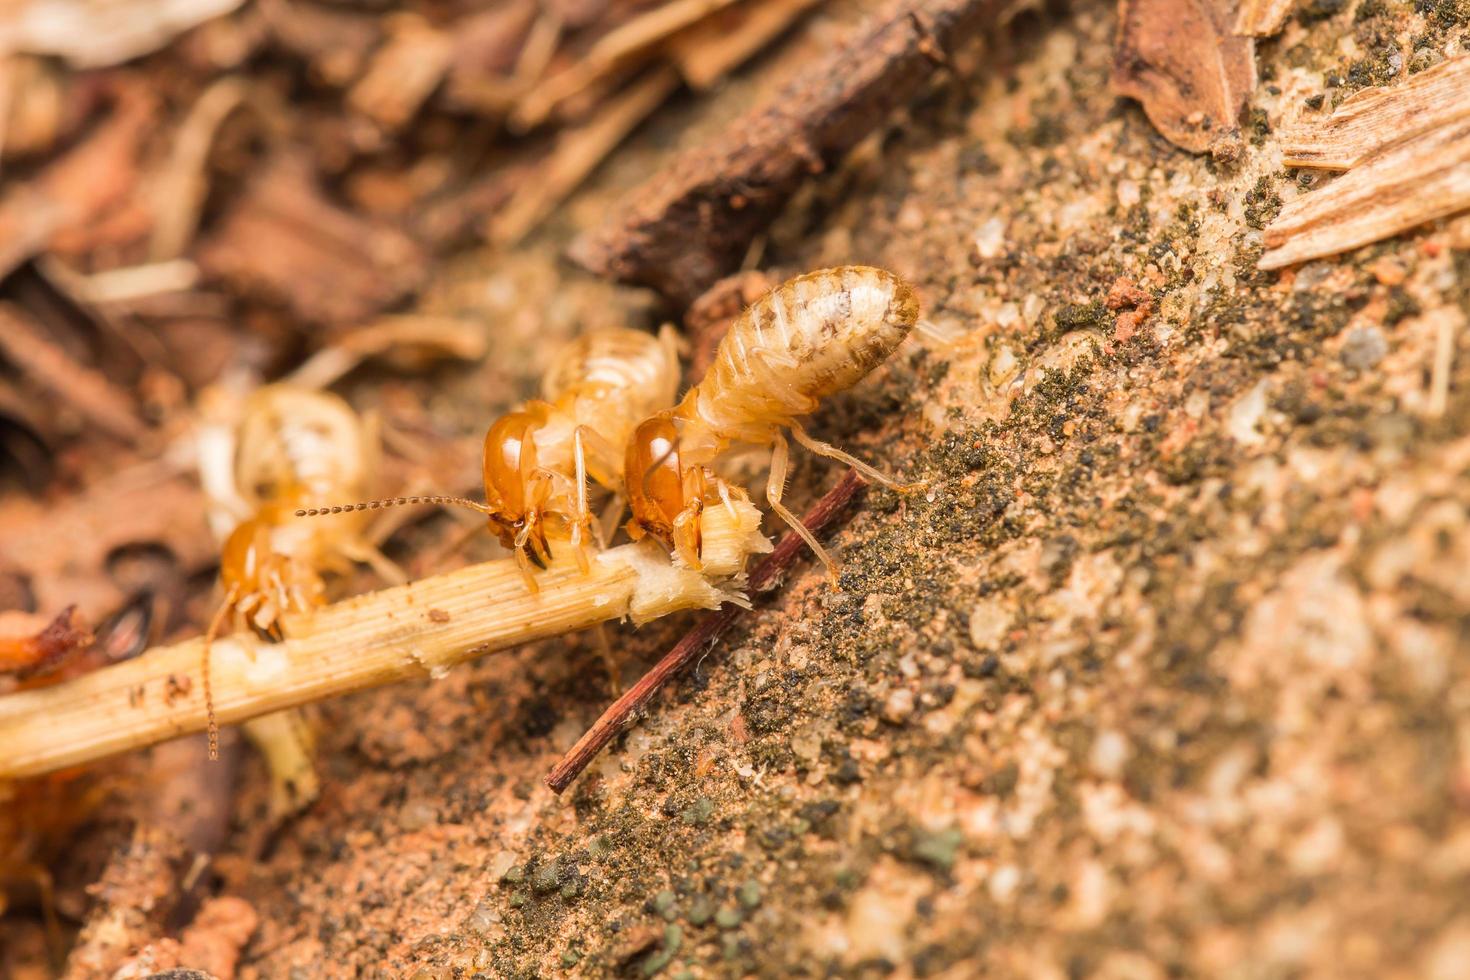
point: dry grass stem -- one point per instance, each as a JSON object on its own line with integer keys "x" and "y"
{"x": 423, "y": 627}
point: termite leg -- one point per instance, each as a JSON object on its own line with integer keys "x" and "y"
{"x": 209, "y": 635}
{"x": 386, "y": 568}
{"x": 832, "y": 452}
{"x": 582, "y": 520}
{"x": 601, "y": 459}
{"x": 607, "y": 522}
{"x": 775, "y": 487}
{"x": 687, "y": 541}
{"x": 523, "y": 562}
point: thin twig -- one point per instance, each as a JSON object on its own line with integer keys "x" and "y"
{"x": 626, "y": 709}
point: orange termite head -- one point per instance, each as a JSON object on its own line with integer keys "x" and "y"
{"x": 516, "y": 488}
{"x": 654, "y": 478}
{"x": 251, "y": 565}
{"x": 516, "y": 491}
{"x": 665, "y": 491}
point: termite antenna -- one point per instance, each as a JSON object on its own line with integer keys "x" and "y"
{"x": 394, "y": 502}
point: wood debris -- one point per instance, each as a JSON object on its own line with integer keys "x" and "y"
{"x": 71, "y": 193}
{"x": 1371, "y": 119}
{"x": 1262, "y": 18}
{"x": 28, "y": 649}
{"x": 86, "y": 390}
{"x": 694, "y": 221}
{"x": 1191, "y": 73}
{"x": 1398, "y": 187}
{"x": 65, "y": 554}
{"x": 579, "y": 151}
{"x": 98, "y": 33}
{"x": 284, "y": 241}
{"x": 403, "y": 73}
{"x": 610, "y": 55}
{"x": 706, "y": 52}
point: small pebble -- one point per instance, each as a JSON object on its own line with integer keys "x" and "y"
{"x": 989, "y": 621}
{"x": 899, "y": 706}
{"x": 1363, "y": 348}
{"x": 417, "y": 815}
{"x": 1109, "y": 754}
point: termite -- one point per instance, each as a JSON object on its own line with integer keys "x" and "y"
{"x": 294, "y": 447}
{"x": 538, "y": 458}
{"x": 813, "y": 336}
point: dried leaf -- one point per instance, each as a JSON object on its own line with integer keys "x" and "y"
{"x": 1398, "y": 187}
{"x": 98, "y": 33}
{"x": 1262, "y": 18}
{"x": 1375, "y": 117}
{"x": 1192, "y": 75}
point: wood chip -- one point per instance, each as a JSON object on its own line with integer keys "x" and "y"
{"x": 1397, "y": 188}
{"x": 1190, "y": 72}
{"x": 1262, "y": 18}
{"x": 693, "y": 222}
{"x": 1375, "y": 117}
{"x": 403, "y": 73}
{"x": 708, "y": 50}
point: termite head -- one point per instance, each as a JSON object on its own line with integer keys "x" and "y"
{"x": 262, "y": 578}
{"x": 516, "y": 488}
{"x": 665, "y": 495}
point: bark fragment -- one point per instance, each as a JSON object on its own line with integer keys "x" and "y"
{"x": 1371, "y": 119}
{"x": 1397, "y": 188}
{"x": 1191, "y": 74}
{"x": 693, "y": 222}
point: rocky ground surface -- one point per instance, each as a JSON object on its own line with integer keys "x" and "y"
{"x": 1164, "y": 673}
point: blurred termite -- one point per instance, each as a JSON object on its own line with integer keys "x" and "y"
{"x": 805, "y": 340}
{"x": 538, "y": 458}
{"x": 293, "y": 447}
